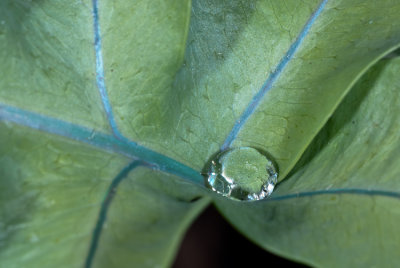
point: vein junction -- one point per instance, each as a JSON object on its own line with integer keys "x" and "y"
{"x": 100, "y": 140}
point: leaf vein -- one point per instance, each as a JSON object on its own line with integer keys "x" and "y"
{"x": 255, "y": 101}
{"x": 100, "y": 80}
{"x": 104, "y": 209}
{"x": 100, "y": 140}
{"x": 356, "y": 191}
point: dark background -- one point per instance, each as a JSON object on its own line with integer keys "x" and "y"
{"x": 212, "y": 243}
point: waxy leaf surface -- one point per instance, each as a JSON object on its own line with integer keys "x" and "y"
{"x": 340, "y": 206}
{"x": 110, "y": 109}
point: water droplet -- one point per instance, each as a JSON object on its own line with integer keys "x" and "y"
{"x": 242, "y": 173}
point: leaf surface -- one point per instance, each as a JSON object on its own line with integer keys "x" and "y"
{"x": 50, "y": 207}
{"x": 91, "y": 87}
{"x": 57, "y": 174}
{"x": 340, "y": 207}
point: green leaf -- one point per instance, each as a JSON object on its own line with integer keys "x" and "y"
{"x": 53, "y": 189}
{"x": 340, "y": 207}
{"x": 110, "y": 109}
{"x": 232, "y": 48}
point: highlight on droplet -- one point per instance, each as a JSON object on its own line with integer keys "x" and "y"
{"x": 242, "y": 173}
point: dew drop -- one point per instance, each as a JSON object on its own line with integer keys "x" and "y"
{"x": 242, "y": 173}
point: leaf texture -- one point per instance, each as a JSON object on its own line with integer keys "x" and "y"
{"x": 90, "y": 87}
{"x": 340, "y": 207}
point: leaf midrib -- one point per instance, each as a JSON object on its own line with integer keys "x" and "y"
{"x": 100, "y": 140}
{"x": 111, "y": 144}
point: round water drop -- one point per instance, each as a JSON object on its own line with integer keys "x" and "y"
{"x": 242, "y": 173}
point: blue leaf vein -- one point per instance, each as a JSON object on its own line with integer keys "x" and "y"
{"x": 257, "y": 98}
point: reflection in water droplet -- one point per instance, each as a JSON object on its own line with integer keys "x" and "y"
{"x": 242, "y": 173}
